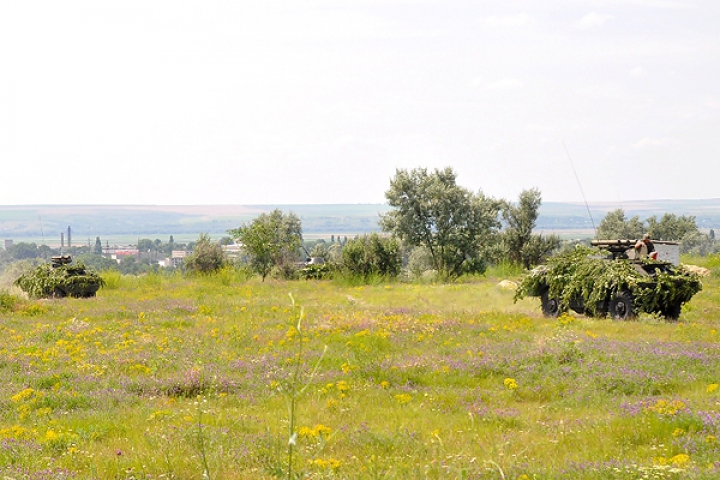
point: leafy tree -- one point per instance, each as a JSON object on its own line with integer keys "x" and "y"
{"x": 23, "y": 251}
{"x": 371, "y": 255}
{"x": 522, "y": 246}
{"x": 419, "y": 262}
{"x": 271, "y": 239}
{"x": 96, "y": 262}
{"x": 129, "y": 265}
{"x": 170, "y": 246}
{"x": 698, "y": 243}
{"x": 615, "y": 226}
{"x": 671, "y": 227}
{"x": 320, "y": 249}
{"x": 432, "y": 211}
{"x": 145, "y": 245}
{"x": 45, "y": 252}
{"x": 98, "y": 250}
{"x": 206, "y": 257}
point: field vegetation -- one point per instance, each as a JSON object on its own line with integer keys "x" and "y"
{"x": 351, "y": 359}
{"x": 224, "y": 377}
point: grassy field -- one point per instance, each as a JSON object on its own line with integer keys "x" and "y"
{"x": 173, "y": 377}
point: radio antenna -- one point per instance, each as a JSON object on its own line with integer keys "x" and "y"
{"x": 581, "y": 189}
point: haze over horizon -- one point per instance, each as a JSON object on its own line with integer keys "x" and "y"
{"x": 318, "y": 102}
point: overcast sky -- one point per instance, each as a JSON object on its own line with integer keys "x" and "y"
{"x": 277, "y": 102}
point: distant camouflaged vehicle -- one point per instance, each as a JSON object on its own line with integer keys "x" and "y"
{"x": 610, "y": 279}
{"x": 60, "y": 279}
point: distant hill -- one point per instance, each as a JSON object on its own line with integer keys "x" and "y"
{"x": 89, "y": 221}
{"x": 563, "y": 216}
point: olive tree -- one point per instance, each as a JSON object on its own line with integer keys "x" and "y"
{"x": 522, "y": 247}
{"x": 371, "y": 255}
{"x": 432, "y": 211}
{"x": 207, "y": 256}
{"x": 615, "y": 226}
{"x": 671, "y": 227}
{"x": 271, "y": 239}
{"x": 682, "y": 229}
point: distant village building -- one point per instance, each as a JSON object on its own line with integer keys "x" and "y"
{"x": 234, "y": 250}
{"x": 7, "y": 244}
{"x": 119, "y": 253}
{"x": 176, "y": 258}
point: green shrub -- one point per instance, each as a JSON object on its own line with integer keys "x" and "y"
{"x": 7, "y": 302}
{"x": 206, "y": 257}
{"x": 111, "y": 279}
{"x": 371, "y": 256}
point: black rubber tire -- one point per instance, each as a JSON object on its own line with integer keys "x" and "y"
{"x": 550, "y": 305}
{"x": 601, "y": 310}
{"x": 621, "y": 306}
{"x": 672, "y": 314}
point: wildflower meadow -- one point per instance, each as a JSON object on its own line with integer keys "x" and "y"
{"x": 223, "y": 377}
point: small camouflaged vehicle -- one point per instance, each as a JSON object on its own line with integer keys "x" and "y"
{"x": 60, "y": 279}
{"x": 609, "y": 279}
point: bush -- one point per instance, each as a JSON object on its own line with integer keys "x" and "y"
{"x": 419, "y": 262}
{"x": 229, "y": 274}
{"x": 206, "y": 257}
{"x": 7, "y": 302}
{"x": 371, "y": 256}
{"x": 111, "y": 279}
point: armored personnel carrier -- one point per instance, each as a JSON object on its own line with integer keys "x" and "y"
{"x": 613, "y": 279}
{"x": 60, "y": 279}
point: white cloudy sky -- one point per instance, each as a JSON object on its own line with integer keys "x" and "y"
{"x": 249, "y": 102}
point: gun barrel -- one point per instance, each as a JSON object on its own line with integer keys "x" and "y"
{"x": 626, "y": 243}
{"x": 613, "y": 243}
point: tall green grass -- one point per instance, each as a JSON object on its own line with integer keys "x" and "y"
{"x": 167, "y": 376}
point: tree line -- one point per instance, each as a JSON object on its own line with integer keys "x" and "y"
{"x": 440, "y": 227}
{"x": 435, "y": 228}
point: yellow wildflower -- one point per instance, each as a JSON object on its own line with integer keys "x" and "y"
{"x": 667, "y": 408}
{"x": 680, "y": 460}
{"x": 22, "y": 395}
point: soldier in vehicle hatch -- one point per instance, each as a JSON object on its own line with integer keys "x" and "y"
{"x": 645, "y": 246}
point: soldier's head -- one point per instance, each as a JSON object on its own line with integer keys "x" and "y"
{"x": 646, "y": 238}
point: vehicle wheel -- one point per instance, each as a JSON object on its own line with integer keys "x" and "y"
{"x": 601, "y": 310}
{"x": 550, "y": 305}
{"x": 621, "y": 306}
{"x": 673, "y": 313}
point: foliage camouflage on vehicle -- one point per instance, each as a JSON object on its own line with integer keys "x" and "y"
{"x": 581, "y": 280}
{"x": 60, "y": 279}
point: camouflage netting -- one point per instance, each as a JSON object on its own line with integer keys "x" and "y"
{"x": 582, "y": 274}
{"x": 60, "y": 281}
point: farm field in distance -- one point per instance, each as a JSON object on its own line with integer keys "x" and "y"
{"x": 191, "y": 378}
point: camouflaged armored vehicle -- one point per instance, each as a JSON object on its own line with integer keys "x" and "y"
{"x": 613, "y": 279}
{"x": 60, "y": 279}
